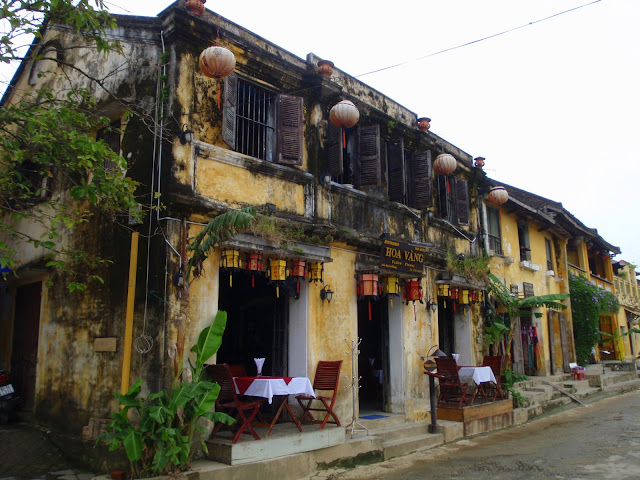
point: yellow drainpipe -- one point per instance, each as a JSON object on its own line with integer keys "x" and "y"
{"x": 128, "y": 331}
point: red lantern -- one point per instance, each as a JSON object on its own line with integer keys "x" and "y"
{"x": 369, "y": 286}
{"x": 412, "y": 291}
{"x": 497, "y": 196}
{"x": 253, "y": 263}
{"x": 445, "y": 164}
{"x": 298, "y": 270}
{"x": 344, "y": 114}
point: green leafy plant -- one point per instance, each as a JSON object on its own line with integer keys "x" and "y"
{"x": 472, "y": 268}
{"x": 160, "y": 439}
{"x": 509, "y": 379}
{"x": 519, "y": 307}
{"x": 588, "y": 304}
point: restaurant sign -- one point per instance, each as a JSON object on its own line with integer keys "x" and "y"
{"x": 402, "y": 257}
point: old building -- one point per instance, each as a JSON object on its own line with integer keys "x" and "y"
{"x": 626, "y": 289}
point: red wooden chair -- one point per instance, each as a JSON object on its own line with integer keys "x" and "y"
{"x": 230, "y": 402}
{"x": 495, "y": 362}
{"x": 451, "y": 388}
{"x": 326, "y": 379}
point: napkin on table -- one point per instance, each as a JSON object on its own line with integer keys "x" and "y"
{"x": 259, "y": 364}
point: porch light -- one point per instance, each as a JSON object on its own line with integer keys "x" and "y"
{"x": 444, "y": 164}
{"x": 369, "y": 287}
{"x": 185, "y": 135}
{"x": 315, "y": 272}
{"x": 230, "y": 258}
{"x": 392, "y": 287}
{"x": 326, "y": 293}
{"x": 253, "y": 264}
{"x": 277, "y": 272}
{"x": 432, "y": 305}
{"x": 298, "y": 270}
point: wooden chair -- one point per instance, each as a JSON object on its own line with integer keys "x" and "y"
{"x": 495, "y": 362}
{"x": 326, "y": 379}
{"x": 230, "y": 402}
{"x": 451, "y": 388}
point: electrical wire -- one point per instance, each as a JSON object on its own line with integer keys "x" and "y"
{"x": 478, "y": 40}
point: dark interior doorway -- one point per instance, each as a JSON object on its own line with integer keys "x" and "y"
{"x": 373, "y": 361}
{"x": 446, "y": 327}
{"x": 24, "y": 352}
{"x": 257, "y": 323}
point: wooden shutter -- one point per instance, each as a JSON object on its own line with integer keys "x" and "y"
{"x": 334, "y": 149}
{"x": 289, "y": 127}
{"x": 395, "y": 164}
{"x": 421, "y": 194}
{"x": 462, "y": 201}
{"x": 229, "y": 110}
{"x": 368, "y": 164}
{"x": 444, "y": 188}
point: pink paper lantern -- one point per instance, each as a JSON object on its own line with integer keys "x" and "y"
{"x": 445, "y": 164}
{"x": 217, "y": 62}
{"x": 344, "y": 114}
{"x": 497, "y": 196}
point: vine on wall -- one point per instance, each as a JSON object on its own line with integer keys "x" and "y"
{"x": 588, "y": 303}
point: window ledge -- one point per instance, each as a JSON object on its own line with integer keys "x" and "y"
{"x": 505, "y": 259}
{"x": 527, "y": 265}
{"x": 550, "y": 273}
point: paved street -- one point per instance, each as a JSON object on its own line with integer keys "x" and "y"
{"x": 26, "y": 453}
{"x": 601, "y": 441}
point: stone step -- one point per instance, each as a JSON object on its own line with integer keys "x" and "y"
{"x": 399, "y": 431}
{"x": 383, "y": 420}
{"x": 404, "y": 446}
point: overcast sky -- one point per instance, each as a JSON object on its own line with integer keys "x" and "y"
{"x": 553, "y": 106}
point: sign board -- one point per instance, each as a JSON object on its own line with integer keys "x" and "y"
{"x": 402, "y": 257}
{"x": 104, "y": 344}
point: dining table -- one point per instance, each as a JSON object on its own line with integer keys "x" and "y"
{"x": 477, "y": 375}
{"x": 269, "y": 387}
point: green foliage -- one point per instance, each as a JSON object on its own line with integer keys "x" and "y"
{"x": 509, "y": 379}
{"x": 219, "y": 229}
{"x": 473, "y": 268}
{"x": 520, "y": 307}
{"x": 588, "y": 303}
{"x": 494, "y": 333}
{"x": 47, "y": 138}
{"x": 160, "y": 441}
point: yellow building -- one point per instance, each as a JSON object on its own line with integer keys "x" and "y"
{"x": 626, "y": 288}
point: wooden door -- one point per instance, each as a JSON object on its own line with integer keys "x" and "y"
{"x": 24, "y": 352}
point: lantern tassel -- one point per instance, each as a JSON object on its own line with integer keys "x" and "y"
{"x": 277, "y": 291}
{"x": 369, "y": 310}
{"x": 230, "y": 279}
{"x": 218, "y": 94}
{"x": 253, "y": 281}
{"x": 344, "y": 139}
{"x": 414, "y": 312}
{"x": 391, "y": 301}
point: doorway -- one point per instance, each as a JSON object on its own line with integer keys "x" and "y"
{"x": 446, "y": 327}
{"x": 373, "y": 361}
{"x": 24, "y": 351}
{"x": 257, "y": 322}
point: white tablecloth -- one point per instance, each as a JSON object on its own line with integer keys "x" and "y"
{"x": 477, "y": 374}
{"x": 268, "y": 387}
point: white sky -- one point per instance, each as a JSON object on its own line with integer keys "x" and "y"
{"x": 554, "y": 106}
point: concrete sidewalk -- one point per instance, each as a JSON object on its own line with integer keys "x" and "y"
{"x": 27, "y": 453}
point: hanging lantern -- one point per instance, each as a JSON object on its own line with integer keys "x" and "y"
{"x": 344, "y": 114}
{"x": 424, "y": 123}
{"x": 230, "y": 259}
{"x": 444, "y": 164}
{"x": 443, "y": 290}
{"x": 392, "y": 288}
{"x": 277, "y": 272}
{"x": 497, "y": 196}
{"x": 464, "y": 297}
{"x": 195, "y": 7}
{"x": 325, "y": 68}
{"x": 315, "y": 273}
{"x": 412, "y": 291}
{"x": 298, "y": 270}
{"x": 217, "y": 62}
{"x": 253, "y": 264}
{"x": 454, "y": 293}
{"x": 369, "y": 286}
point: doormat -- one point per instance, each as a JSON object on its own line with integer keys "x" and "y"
{"x": 373, "y": 417}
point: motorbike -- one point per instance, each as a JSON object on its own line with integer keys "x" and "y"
{"x": 9, "y": 399}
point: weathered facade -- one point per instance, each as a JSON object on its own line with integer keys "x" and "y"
{"x": 346, "y": 202}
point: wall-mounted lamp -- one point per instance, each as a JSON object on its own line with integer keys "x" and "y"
{"x": 186, "y": 135}
{"x": 429, "y": 215}
{"x": 432, "y": 305}
{"x": 326, "y": 293}
{"x": 178, "y": 279}
{"x": 325, "y": 179}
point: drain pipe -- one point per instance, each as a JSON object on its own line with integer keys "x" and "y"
{"x": 128, "y": 331}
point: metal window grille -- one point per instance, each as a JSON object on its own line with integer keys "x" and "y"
{"x": 255, "y": 127}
